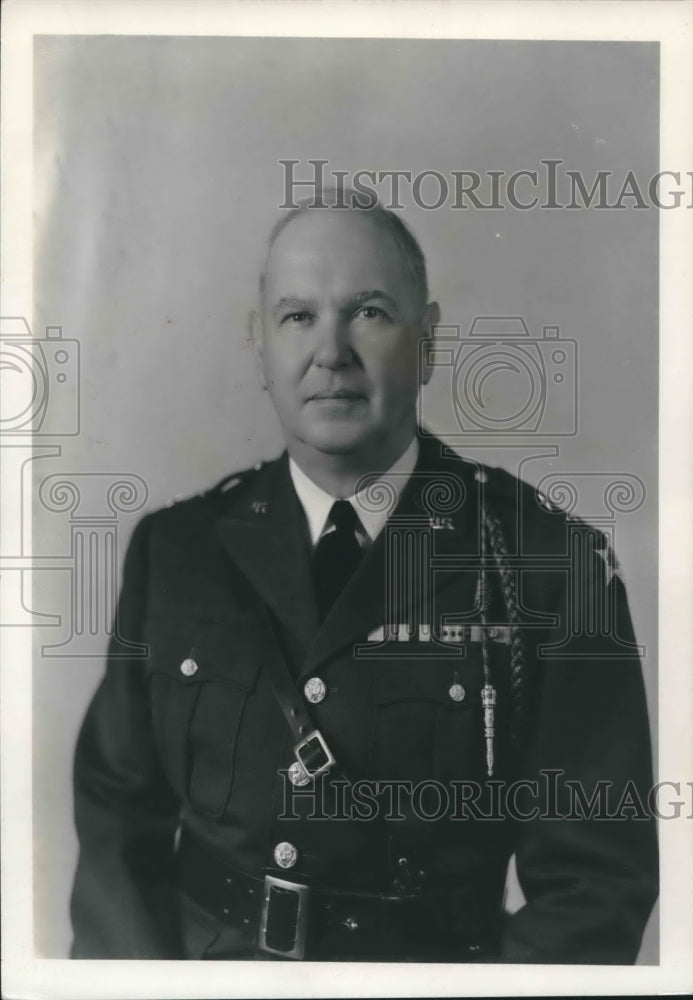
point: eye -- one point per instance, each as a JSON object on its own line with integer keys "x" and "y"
{"x": 300, "y": 318}
{"x": 372, "y": 313}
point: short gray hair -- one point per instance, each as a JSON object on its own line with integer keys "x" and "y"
{"x": 407, "y": 244}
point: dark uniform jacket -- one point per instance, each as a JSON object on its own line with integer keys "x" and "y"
{"x": 173, "y": 756}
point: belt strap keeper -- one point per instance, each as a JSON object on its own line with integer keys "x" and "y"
{"x": 314, "y": 750}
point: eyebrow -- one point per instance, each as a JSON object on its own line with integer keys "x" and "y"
{"x": 368, "y": 295}
{"x": 288, "y": 301}
{"x": 374, "y": 293}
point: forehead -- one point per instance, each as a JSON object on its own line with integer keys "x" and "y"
{"x": 340, "y": 251}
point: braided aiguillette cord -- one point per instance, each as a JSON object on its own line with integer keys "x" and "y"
{"x": 488, "y": 692}
{"x": 518, "y": 692}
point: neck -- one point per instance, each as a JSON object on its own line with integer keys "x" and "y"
{"x": 339, "y": 474}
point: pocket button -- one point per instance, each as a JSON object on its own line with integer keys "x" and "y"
{"x": 189, "y": 668}
{"x": 457, "y": 692}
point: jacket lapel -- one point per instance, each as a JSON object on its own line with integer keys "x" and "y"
{"x": 364, "y": 604}
{"x": 266, "y": 537}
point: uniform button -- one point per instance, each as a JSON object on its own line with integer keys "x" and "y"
{"x": 403, "y": 862}
{"x": 351, "y": 924}
{"x": 285, "y": 854}
{"x": 189, "y": 668}
{"x": 298, "y": 775}
{"x": 315, "y": 690}
{"x": 493, "y": 633}
{"x": 457, "y": 692}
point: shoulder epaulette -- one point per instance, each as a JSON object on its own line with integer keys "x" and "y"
{"x": 224, "y": 486}
{"x": 235, "y": 479}
{"x": 514, "y": 489}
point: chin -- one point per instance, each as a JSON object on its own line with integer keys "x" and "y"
{"x": 337, "y": 437}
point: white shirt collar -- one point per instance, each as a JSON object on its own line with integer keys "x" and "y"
{"x": 317, "y": 503}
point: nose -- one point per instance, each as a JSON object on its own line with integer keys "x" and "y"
{"x": 333, "y": 343}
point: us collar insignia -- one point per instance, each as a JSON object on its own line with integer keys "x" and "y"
{"x": 439, "y": 523}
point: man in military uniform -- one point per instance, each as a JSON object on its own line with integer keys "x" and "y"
{"x": 349, "y": 656}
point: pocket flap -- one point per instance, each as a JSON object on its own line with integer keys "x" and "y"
{"x": 195, "y": 651}
{"x": 453, "y": 684}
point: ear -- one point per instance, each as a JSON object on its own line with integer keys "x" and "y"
{"x": 429, "y": 321}
{"x": 255, "y": 328}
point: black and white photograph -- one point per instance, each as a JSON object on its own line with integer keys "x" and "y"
{"x": 345, "y": 370}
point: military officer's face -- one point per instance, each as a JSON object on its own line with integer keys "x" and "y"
{"x": 338, "y": 335}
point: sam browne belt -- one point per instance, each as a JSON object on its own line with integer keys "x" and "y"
{"x": 292, "y": 920}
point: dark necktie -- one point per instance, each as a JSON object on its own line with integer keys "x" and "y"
{"x": 336, "y": 556}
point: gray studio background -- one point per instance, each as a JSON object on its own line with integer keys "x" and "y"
{"x": 157, "y": 180}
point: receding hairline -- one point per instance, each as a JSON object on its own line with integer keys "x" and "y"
{"x": 401, "y": 236}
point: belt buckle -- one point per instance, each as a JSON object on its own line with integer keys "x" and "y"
{"x": 303, "y": 892}
{"x": 304, "y": 744}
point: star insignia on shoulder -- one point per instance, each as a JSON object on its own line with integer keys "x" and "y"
{"x": 229, "y": 484}
{"x": 544, "y": 502}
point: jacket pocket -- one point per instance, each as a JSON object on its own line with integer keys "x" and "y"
{"x": 429, "y": 719}
{"x": 202, "y": 674}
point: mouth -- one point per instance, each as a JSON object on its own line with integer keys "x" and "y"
{"x": 332, "y": 394}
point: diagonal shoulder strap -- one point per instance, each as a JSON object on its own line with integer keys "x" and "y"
{"x": 311, "y": 750}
